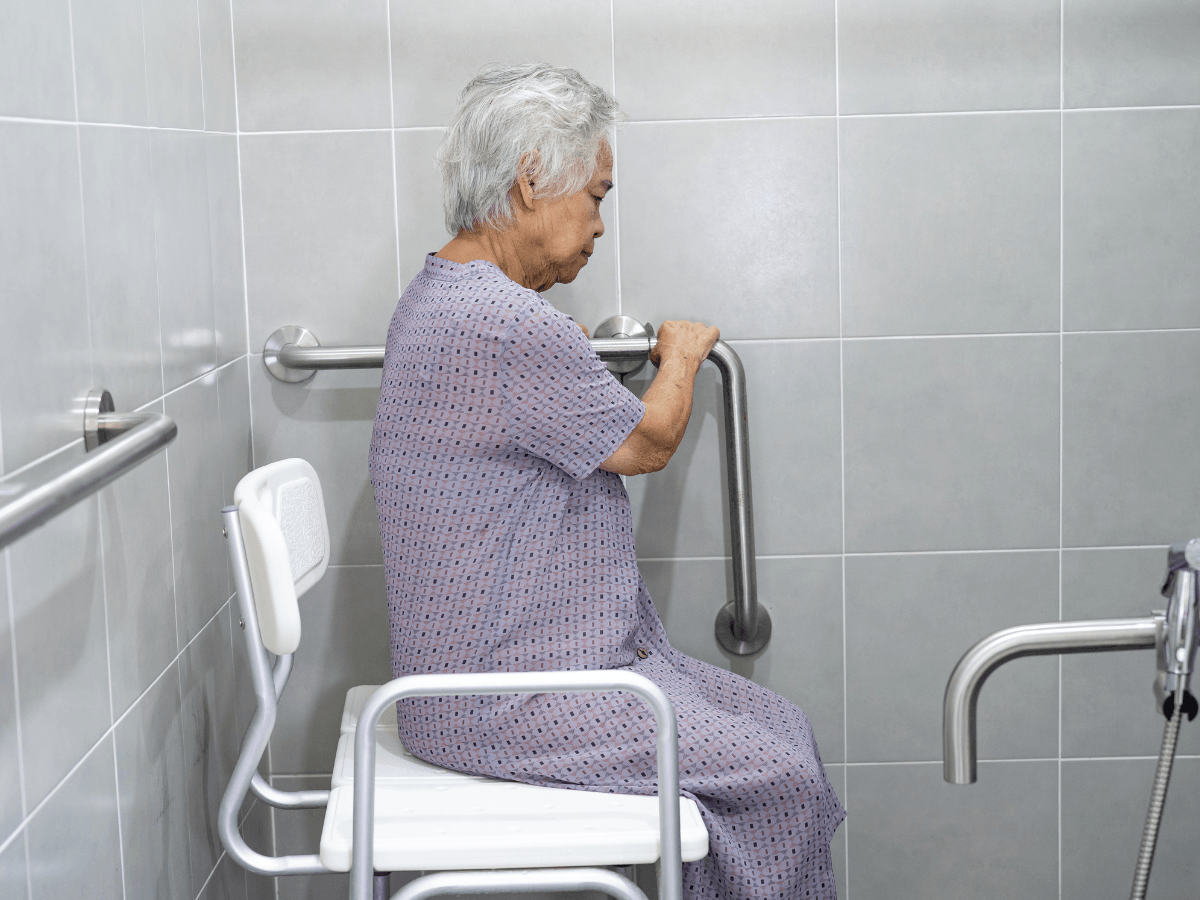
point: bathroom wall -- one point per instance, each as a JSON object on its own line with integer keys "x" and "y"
{"x": 953, "y": 243}
{"x": 122, "y": 267}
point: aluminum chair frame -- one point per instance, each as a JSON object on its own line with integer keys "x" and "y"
{"x": 268, "y": 684}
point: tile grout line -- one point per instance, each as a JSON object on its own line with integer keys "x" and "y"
{"x": 21, "y": 826}
{"x": 392, "y": 135}
{"x": 616, "y": 203}
{"x": 87, "y": 295}
{"x": 213, "y": 872}
{"x": 12, "y": 640}
{"x": 237, "y": 128}
{"x": 699, "y": 121}
{"x": 1061, "y": 409}
{"x": 200, "y": 53}
{"x": 837, "y": 123}
{"x": 868, "y": 554}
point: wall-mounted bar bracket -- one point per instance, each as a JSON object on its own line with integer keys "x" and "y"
{"x": 113, "y": 442}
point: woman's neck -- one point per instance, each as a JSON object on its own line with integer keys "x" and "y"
{"x": 497, "y": 247}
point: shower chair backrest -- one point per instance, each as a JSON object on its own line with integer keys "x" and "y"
{"x": 286, "y": 536}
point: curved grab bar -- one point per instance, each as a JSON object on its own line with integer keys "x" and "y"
{"x": 138, "y": 436}
{"x": 962, "y": 690}
{"x": 743, "y": 626}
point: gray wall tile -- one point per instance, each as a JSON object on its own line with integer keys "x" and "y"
{"x": 216, "y": 51}
{"x": 185, "y": 272}
{"x": 678, "y": 60}
{"x": 122, "y": 271}
{"x": 795, "y": 445}
{"x": 940, "y": 55}
{"x": 682, "y": 509}
{"x": 225, "y": 240}
{"x": 837, "y": 848}
{"x": 35, "y": 60}
{"x": 908, "y": 620}
{"x": 194, "y": 464}
{"x": 210, "y": 743}
{"x": 62, "y": 654}
{"x": 430, "y": 69}
{"x": 14, "y": 874}
{"x": 1111, "y": 710}
{"x": 1103, "y": 809}
{"x": 237, "y": 451}
{"x": 803, "y": 662}
{"x": 913, "y": 835}
{"x": 312, "y": 64}
{"x": 11, "y": 811}
{"x": 257, "y": 829}
{"x": 345, "y": 643}
{"x": 1118, "y": 53}
{"x": 951, "y": 443}
{"x": 695, "y": 246}
{"x": 300, "y": 832}
{"x": 139, "y": 578}
{"x": 950, "y": 224}
{"x": 327, "y": 421}
{"x": 154, "y": 811}
{"x": 1131, "y": 213}
{"x": 320, "y": 235}
{"x": 110, "y": 60}
{"x": 228, "y": 882}
{"x": 44, "y": 358}
{"x": 81, "y": 816}
{"x": 174, "y": 78}
{"x": 1126, "y": 437}
{"x": 794, "y": 400}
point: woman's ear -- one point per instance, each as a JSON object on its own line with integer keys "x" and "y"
{"x": 523, "y": 188}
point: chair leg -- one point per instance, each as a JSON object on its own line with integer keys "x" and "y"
{"x": 380, "y": 891}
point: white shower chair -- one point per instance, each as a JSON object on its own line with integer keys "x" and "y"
{"x": 388, "y": 811}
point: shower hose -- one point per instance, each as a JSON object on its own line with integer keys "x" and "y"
{"x": 1158, "y": 799}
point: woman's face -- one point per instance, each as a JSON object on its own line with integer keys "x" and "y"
{"x": 566, "y": 228}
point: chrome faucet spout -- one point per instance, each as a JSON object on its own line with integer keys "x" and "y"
{"x": 962, "y": 690}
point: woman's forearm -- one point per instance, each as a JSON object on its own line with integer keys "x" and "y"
{"x": 682, "y": 347}
{"x": 654, "y": 441}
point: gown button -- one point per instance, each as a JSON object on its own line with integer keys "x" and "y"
{"x": 642, "y": 652}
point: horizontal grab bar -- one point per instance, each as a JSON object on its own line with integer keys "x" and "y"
{"x": 743, "y": 627}
{"x": 121, "y": 441}
{"x": 1046, "y": 638}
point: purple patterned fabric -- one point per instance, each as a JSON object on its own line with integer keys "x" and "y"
{"x": 507, "y": 549}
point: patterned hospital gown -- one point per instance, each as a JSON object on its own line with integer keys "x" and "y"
{"x": 507, "y": 549}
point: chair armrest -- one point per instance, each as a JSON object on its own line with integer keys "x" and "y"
{"x": 671, "y": 873}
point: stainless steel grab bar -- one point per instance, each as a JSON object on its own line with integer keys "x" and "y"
{"x": 120, "y": 442}
{"x": 962, "y": 690}
{"x": 743, "y": 626}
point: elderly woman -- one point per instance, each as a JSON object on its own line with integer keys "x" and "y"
{"x": 507, "y": 533}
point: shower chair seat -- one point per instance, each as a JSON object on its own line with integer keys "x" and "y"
{"x": 426, "y": 817}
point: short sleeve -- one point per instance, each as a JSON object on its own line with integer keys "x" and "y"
{"x": 561, "y": 402}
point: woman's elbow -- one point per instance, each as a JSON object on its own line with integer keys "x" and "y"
{"x": 641, "y": 460}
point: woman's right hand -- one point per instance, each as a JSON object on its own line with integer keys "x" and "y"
{"x": 685, "y": 343}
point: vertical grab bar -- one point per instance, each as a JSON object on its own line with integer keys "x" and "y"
{"x": 743, "y": 626}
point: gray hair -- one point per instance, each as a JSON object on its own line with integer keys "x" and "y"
{"x": 527, "y": 120}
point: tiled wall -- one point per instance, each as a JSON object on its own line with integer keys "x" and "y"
{"x": 954, "y": 243}
{"x": 122, "y": 267}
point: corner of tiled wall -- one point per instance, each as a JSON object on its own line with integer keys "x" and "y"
{"x": 121, "y": 244}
